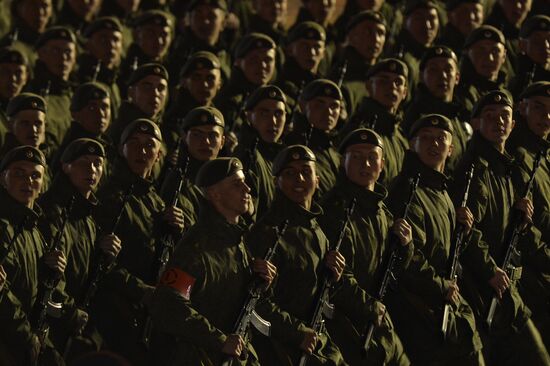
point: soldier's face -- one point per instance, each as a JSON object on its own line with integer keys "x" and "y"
{"x": 35, "y": 13}
{"x": 29, "y": 127}
{"x": 59, "y": 56}
{"x": 95, "y": 117}
{"x": 203, "y": 84}
{"x": 141, "y": 152}
{"x": 258, "y": 65}
{"x": 368, "y": 38}
{"x": 487, "y": 56}
{"x": 268, "y": 118}
{"x": 231, "y": 194}
{"x": 433, "y": 146}
{"x": 271, "y": 11}
{"x": 466, "y": 17}
{"x": 537, "y": 47}
{"x": 440, "y": 75}
{"x": 85, "y": 173}
{"x": 149, "y": 94}
{"x": 308, "y": 53}
{"x": 495, "y": 123}
{"x": 12, "y": 79}
{"x": 106, "y": 46}
{"x": 370, "y": 4}
{"x": 536, "y": 111}
{"x": 204, "y": 142}
{"x": 153, "y": 40}
{"x": 515, "y": 11}
{"x": 323, "y": 112}
{"x": 388, "y": 89}
{"x": 207, "y": 22}
{"x": 423, "y": 25}
{"x": 23, "y": 181}
{"x": 85, "y": 9}
{"x": 321, "y": 10}
{"x": 363, "y": 164}
{"x": 298, "y": 182}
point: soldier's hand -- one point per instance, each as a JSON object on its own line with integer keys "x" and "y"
{"x": 309, "y": 341}
{"x": 379, "y": 312}
{"x": 3, "y": 277}
{"x": 232, "y": 21}
{"x": 465, "y": 217}
{"x": 403, "y": 230}
{"x": 500, "y": 282}
{"x": 81, "y": 320}
{"x": 174, "y": 217}
{"x": 56, "y": 261}
{"x": 110, "y": 244}
{"x": 336, "y": 262}
{"x": 453, "y": 293}
{"x": 34, "y": 350}
{"x": 147, "y": 298}
{"x": 231, "y": 142}
{"x": 526, "y": 206}
{"x": 266, "y": 270}
{"x": 233, "y": 345}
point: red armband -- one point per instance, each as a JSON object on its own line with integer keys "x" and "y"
{"x": 179, "y": 280}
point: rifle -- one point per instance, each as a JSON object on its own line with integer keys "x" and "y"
{"x": 97, "y": 69}
{"x": 391, "y": 262}
{"x": 45, "y": 92}
{"x": 456, "y": 249}
{"x": 342, "y": 74}
{"x": 46, "y": 306}
{"x": 511, "y": 240}
{"x": 248, "y": 315}
{"x": 322, "y": 307}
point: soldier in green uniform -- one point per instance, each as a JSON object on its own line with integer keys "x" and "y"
{"x": 417, "y": 304}
{"x": 268, "y": 17}
{"x": 26, "y": 260}
{"x": 101, "y": 60}
{"x": 381, "y": 111}
{"x": 56, "y": 49}
{"x": 12, "y": 80}
{"x": 71, "y": 197}
{"x": 121, "y": 304}
{"x": 513, "y": 337}
{"x": 211, "y": 267}
{"x": 321, "y": 103}
{"x": 464, "y": 17}
{"x": 78, "y": 14}
{"x": 366, "y": 241}
{"x": 529, "y": 138}
{"x": 439, "y": 76}
{"x": 125, "y": 11}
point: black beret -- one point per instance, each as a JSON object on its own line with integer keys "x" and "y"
{"x": 154, "y": 17}
{"x": 146, "y": 70}
{"x": 366, "y": 15}
{"x": 10, "y": 55}
{"x": 216, "y": 170}
{"x": 23, "y": 153}
{"x": 533, "y": 24}
{"x": 289, "y": 154}
{"x": 111, "y": 23}
{"x": 482, "y": 33}
{"x": 321, "y": 88}
{"x": 220, "y": 4}
{"x": 86, "y": 92}
{"x": 141, "y": 125}
{"x": 389, "y": 65}
{"x": 203, "y": 116}
{"x": 307, "y": 30}
{"x": 437, "y": 51}
{"x": 81, "y": 147}
{"x": 431, "y": 120}
{"x": 25, "y": 101}
{"x": 360, "y": 136}
{"x": 57, "y": 32}
{"x": 412, "y": 5}
{"x": 492, "y": 97}
{"x": 200, "y": 60}
{"x": 253, "y": 41}
{"x": 452, "y": 4}
{"x": 264, "y": 92}
{"x": 538, "y": 89}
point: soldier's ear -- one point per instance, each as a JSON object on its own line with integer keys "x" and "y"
{"x": 522, "y": 107}
{"x": 457, "y": 79}
{"x": 451, "y": 150}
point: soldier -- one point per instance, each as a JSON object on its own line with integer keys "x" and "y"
{"x": 315, "y": 127}
{"x": 186, "y": 303}
{"x": 439, "y": 77}
{"x": 366, "y": 241}
{"x": 12, "y": 80}
{"x": 423, "y": 286}
{"x": 78, "y": 14}
{"x": 464, "y": 17}
{"x": 25, "y": 249}
{"x": 71, "y": 197}
{"x": 56, "y": 49}
{"x": 121, "y": 304}
{"x": 268, "y": 17}
{"x": 513, "y": 337}
{"x": 381, "y": 111}
{"x": 125, "y": 11}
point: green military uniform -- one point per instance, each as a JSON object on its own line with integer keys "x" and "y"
{"x": 451, "y": 36}
{"x": 69, "y": 18}
{"x": 498, "y": 19}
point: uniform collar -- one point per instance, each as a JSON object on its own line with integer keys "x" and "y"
{"x": 368, "y": 201}
{"x": 412, "y": 165}
{"x": 285, "y": 209}
{"x": 17, "y": 213}
{"x": 522, "y": 136}
{"x": 501, "y": 163}
{"x": 386, "y": 123}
